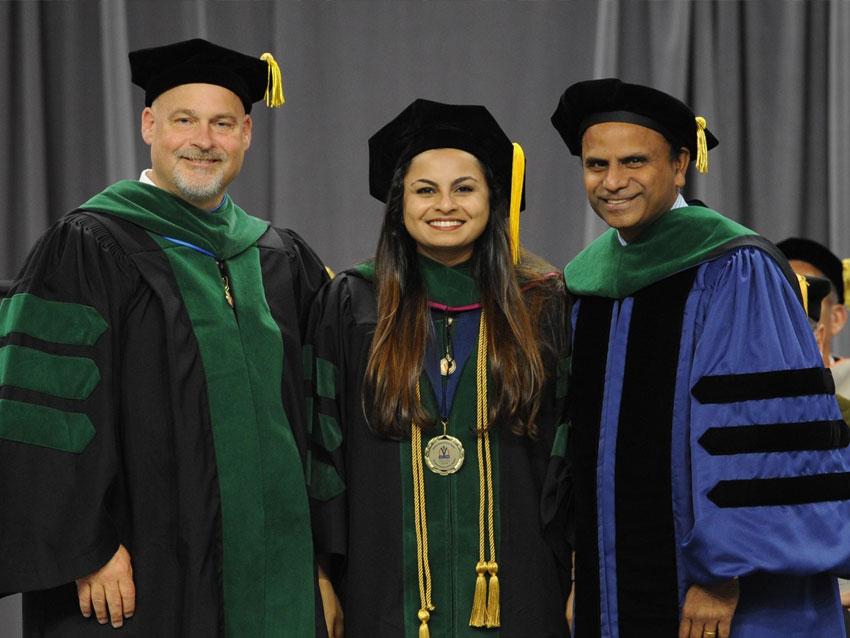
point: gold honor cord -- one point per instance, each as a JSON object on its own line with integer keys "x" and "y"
{"x": 421, "y": 525}
{"x": 485, "y": 602}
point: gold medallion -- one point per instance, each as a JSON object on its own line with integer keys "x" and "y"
{"x": 444, "y": 455}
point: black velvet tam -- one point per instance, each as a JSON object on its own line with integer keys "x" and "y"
{"x": 591, "y": 102}
{"x": 426, "y": 125}
{"x": 818, "y": 256}
{"x": 161, "y": 68}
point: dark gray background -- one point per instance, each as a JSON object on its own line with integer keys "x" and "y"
{"x": 770, "y": 76}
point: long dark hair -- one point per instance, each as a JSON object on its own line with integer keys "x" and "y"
{"x": 403, "y": 324}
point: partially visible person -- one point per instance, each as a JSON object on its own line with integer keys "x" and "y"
{"x": 815, "y": 291}
{"x": 152, "y": 430}
{"x": 710, "y": 461}
{"x": 809, "y": 258}
{"x": 440, "y": 372}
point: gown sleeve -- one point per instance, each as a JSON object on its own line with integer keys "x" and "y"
{"x": 556, "y": 499}
{"x": 769, "y": 473}
{"x": 308, "y": 276}
{"x": 324, "y": 357}
{"x": 60, "y": 330}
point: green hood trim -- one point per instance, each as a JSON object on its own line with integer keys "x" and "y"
{"x": 267, "y": 558}
{"x": 225, "y": 233}
{"x": 452, "y": 286}
{"x": 678, "y": 240}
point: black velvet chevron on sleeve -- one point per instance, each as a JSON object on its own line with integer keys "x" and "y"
{"x": 795, "y": 490}
{"x": 731, "y": 388}
{"x": 776, "y": 437}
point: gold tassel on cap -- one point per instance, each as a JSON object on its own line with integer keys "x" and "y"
{"x": 702, "y": 146}
{"x": 846, "y": 264}
{"x": 274, "y": 83}
{"x": 804, "y": 292}
{"x": 517, "y": 180}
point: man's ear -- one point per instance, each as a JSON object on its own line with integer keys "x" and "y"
{"x": 680, "y": 166}
{"x": 247, "y": 130}
{"x": 837, "y": 318}
{"x": 148, "y": 124}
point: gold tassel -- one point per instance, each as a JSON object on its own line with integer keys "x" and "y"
{"x": 702, "y": 146}
{"x": 517, "y": 181}
{"x": 478, "y": 618}
{"x": 424, "y": 617}
{"x": 274, "y": 83}
{"x": 493, "y": 608}
{"x": 804, "y": 292}
{"x": 846, "y": 273}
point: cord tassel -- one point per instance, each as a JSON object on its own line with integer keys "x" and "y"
{"x": 274, "y": 82}
{"x": 493, "y": 607}
{"x": 702, "y": 146}
{"x": 478, "y": 618}
{"x": 424, "y": 617}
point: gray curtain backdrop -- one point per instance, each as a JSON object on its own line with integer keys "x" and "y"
{"x": 770, "y": 76}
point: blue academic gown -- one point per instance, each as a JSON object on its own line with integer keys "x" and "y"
{"x": 694, "y": 466}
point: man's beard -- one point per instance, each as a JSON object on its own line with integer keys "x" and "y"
{"x": 191, "y": 188}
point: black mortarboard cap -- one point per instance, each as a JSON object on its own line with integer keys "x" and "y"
{"x": 161, "y": 68}
{"x": 591, "y": 102}
{"x": 426, "y": 125}
{"x": 818, "y": 256}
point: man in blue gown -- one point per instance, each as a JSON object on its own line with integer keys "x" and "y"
{"x": 711, "y": 463}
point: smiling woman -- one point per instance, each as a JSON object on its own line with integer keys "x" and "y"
{"x": 444, "y": 335}
{"x": 446, "y": 204}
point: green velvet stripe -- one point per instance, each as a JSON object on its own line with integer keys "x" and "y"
{"x": 65, "y": 377}
{"x": 452, "y": 513}
{"x": 331, "y": 433}
{"x": 268, "y": 551}
{"x": 325, "y": 481}
{"x": 45, "y": 427}
{"x": 53, "y": 321}
{"x": 325, "y": 378}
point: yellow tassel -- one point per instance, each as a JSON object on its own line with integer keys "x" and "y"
{"x": 846, "y": 273}
{"x": 478, "y": 617}
{"x": 702, "y": 146}
{"x": 517, "y": 181}
{"x": 804, "y": 292}
{"x": 274, "y": 83}
{"x": 424, "y": 617}
{"x": 493, "y": 608}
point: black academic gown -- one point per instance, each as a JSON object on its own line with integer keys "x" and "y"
{"x": 136, "y": 462}
{"x": 367, "y": 522}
